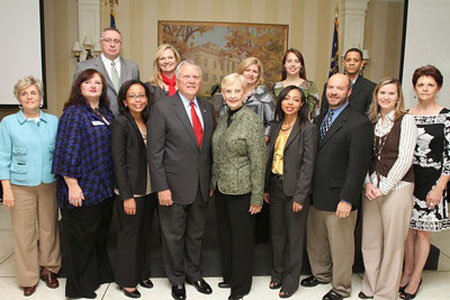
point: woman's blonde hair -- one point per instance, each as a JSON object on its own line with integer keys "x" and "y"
{"x": 26, "y": 82}
{"x": 374, "y": 108}
{"x": 252, "y": 61}
{"x": 232, "y": 78}
{"x": 157, "y": 79}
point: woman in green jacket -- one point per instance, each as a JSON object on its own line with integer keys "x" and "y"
{"x": 239, "y": 156}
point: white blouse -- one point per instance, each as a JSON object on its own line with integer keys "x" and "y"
{"x": 407, "y": 144}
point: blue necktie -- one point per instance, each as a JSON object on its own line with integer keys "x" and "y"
{"x": 326, "y": 125}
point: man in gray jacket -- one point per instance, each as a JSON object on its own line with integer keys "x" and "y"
{"x": 180, "y": 130}
{"x": 114, "y": 68}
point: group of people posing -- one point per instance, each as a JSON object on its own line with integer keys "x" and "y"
{"x": 134, "y": 148}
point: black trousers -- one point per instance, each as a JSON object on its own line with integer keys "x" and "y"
{"x": 85, "y": 231}
{"x": 182, "y": 228}
{"x": 237, "y": 241}
{"x": 288, "y": 237}
{"x": 134, "y": 234}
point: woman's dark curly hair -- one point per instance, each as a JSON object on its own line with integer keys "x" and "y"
{"x": 122, "y": 96}
{"x": 76, "y": 98}
{"x": 302, "y": 113}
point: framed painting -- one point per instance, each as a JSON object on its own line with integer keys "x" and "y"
{"x": 219, "y": 47}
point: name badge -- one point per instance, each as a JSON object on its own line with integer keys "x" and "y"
{"x": 98, "y": 123}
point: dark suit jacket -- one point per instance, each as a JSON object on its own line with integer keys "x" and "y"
{"x": 360, "y": 98}
{"x": 129, "y": 157}
{"x": 342, "y": 160}
{"x": 156, "y": 93}
{"x": 128, "y": 70}
{"x": 176, "y": 161}
{"x": 299, "y": 159}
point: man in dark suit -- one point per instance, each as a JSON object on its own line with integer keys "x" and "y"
{"x": 114, "y": 68}
{"x": 345, "y": 145}
{"x": 362, "y": 88}
{"x": 180, "y": 130}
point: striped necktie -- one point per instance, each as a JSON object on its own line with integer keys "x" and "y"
{"x": 326, "y": 125}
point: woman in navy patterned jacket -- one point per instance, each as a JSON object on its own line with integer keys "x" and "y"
{"x": 83, "y": 161}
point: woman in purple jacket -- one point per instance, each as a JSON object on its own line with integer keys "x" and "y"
{"x": 83, "y": 161}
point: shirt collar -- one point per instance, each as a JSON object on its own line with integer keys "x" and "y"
{"x": 354, "y": 80}
{"x": 186, "y": 101}
{"x": 338, "y": 110}
{"x": 390, "y": 116}
{"x": 22, "y": 119}
{"x": 107, "y": 61}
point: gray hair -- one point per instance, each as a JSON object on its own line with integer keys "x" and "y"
{"x": 187, "y": 62}
{"x": 26, "y": 82}
{"x": 110, "y": 29}
{"x": 232, "y": 78}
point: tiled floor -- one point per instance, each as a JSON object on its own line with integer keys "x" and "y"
{"x": 436, "y": 285}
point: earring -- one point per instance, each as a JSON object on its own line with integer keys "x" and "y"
{"x": 41, "y": 105}
{"x": 20, "y": 105}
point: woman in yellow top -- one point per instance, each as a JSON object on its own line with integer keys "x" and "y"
{"x": 290, "y": 166}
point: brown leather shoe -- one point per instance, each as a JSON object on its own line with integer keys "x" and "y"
{"x": 29, "y": 290}
{"x": 49, "y": 278}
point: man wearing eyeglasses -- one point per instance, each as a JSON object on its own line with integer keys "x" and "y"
{"x": 114, "y": 68}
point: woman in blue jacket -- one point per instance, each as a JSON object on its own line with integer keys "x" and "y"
{"x": 85, "y": 187}
{"x": 27, "y": 141}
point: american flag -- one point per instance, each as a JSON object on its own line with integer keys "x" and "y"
{"x": 334, "y": 65}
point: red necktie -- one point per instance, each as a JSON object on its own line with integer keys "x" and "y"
{"x": 198, "y": 130}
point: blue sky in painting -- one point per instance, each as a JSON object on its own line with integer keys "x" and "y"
{"x": 216, "y": 36}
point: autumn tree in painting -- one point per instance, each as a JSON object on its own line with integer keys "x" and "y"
{"x": 182, "y": 36}
{"x": 265, "y": 44}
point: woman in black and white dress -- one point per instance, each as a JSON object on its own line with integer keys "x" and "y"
{"x": 432, "y": 173}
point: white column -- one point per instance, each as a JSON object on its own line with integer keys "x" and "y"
{"x": 353, "y": 16}
{"x": 89, "y": 20}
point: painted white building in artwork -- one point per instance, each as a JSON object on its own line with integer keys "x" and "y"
{"x": 214, "y": 63}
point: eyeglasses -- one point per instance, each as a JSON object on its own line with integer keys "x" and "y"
{"x": 134, "y": 97}
{"x": 110, "y": 41}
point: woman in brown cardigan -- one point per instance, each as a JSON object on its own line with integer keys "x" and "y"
{"x": 389, "y": 185}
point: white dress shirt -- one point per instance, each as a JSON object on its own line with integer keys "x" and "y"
{"x": 108, "y": 66}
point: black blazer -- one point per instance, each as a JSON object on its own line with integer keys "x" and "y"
{"x": 299, "y": 159}
{"x": 360, "y": 98}
{"x": 176, "y": 161}
{"x": 129, "y": 157}
{"x": 342, "y": 160}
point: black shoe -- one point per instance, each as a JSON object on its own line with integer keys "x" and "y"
{"x": 408, "y": 296}
{"x": 235, "y": 297}
{"x": 147, "y": 283}
{"x": 133, "y": 294}
{"x": 284, "y": 294}
{"x": 91, "y": 295}
{"x": 402, "y": 288}
{"x": 224, "y": 285}
{"x": 332, "y": 295}
{"x": 274, "y": 285}
{"x": 179, "y": 292}
{"x": 361, "y": 295}
{"x": 201, "y": 285}
{"x": 311, "y": 281}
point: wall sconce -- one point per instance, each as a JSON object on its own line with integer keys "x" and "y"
{"x": 92, "y": 49}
